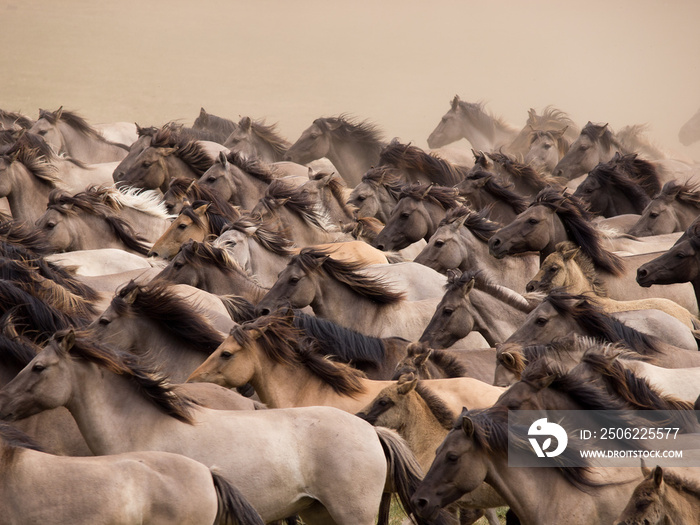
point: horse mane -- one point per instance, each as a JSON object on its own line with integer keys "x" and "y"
{"x": 154, "y": 387}
{"x": 146, "y": 201}
{"x": 386, "y": 177}
{"x": 563, "y": 143}
{"x": 221, "y": 126}
{"x": 22, "y": 120}
{"x": 217, "y": 220}
{"x": 483, "y": 283}
{"x": 477, "y": 222}
{"x": 518, "y": 171}
{"x": 550, "y": 117}
{"x": 184, "y": 133}
{"x": 90, "y": 204}
{"x": 23, "y": 237}
{"x": 16, "y": 350}
{"x": 347, "y": 345}
{"x": 239, "y": 308}
{"x": 345, "y": 128}
{"x": 285, "y": 344}
{"x": 591, "y": 317}
{"x": 447, "y": 363}
{"x": 252, "y": 166}
{"x": 631, "y": 173}
{"x": 264, "y": 234}
{"x": 13, "y": 440}
{"x": 373, "y": 288}
{"x": 436, "y": 405}
{"x": 601, "y": 133}
{"x": 183, "y": 188}
{"x": 442, "y": 196}
{"x": 681, "y": 483}
{"x": 187, "y": 150}
{"x": 687, "y": 193}
{"x": 632, "y": 139}
{"x": 405, "y": 156}
{"x": 159, "y": 303}
{"x": 270, "y": 135}
{"x": 367, "y": 228}
{"x": 586, "y": 265}
{"x": 280, "y": 193}
{"x": 476, "y": 110}
{"x": 492, "y": 435}
{"x": 501, "y": 190}
{"x": 36, "y": 163}
{"x": 577, "y": 223}
{"x": 193, "y": 252}
{"x": 76, "y": 122}
{"x": 337, "y": 187}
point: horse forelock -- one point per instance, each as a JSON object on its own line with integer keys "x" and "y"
{"x": 477, "y": 222}
{"x": 265, "y": 234}
{"x": 443, "y": 196}
{"x": 296, "y": 201}
{"x": 159, "y": 303}
{"x": 443, "y": 414}
{"x": 253, "y": 167}
{"x": 152, "y": 386}
{"x": 35, "y": 162}
{"x": 687, "y": 192}
{"x": 23, "y": 121}
{"x": 438, "y": 170}
{"x": 501, "y": 190}
{"x": 374, "y": 288}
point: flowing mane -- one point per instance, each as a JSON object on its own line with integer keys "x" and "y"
{"x": 347, "y": 345}
{"x": 283, "y": 343}
{"x": 630, "y": 173}
{"x": 155, "y": 388}
{"x": 686, "y": 193}
{"x": 632, "y": 139}
{"x": 91, "y": 204}
{"x": 337, "y": 187}
{"x": 561, "y": 140}
{"x": 347, "y": 129}
{"x": 375, "y": 289}
{"x": 159, "y": 303}
{"x": 19, "y": 119}
{"x": 577, "y": 223}
{"x": 76, "y": 122}
{"x": 180, "y": 130}
{"x": 15, "y": 350}
{"x": 477, "y": 222}
{"x": 17, "y": 235}
{"x": 34, "y": 161}
{"x": 443, "y": 196}
{"x": 187, "y": 150}
{"x": 386, "y": 177}
{"x": 436, "y": 405}
{"x": 523, "y": 172}
{"x": 269, "y": 135}
{"x": 280, "y": 193}
{"x": 500, "y": 190}
{"x": 263, "y": 233}
{"x": 483, "y": 283}
{"x": 218, "y": 222}
{"x": 593, "y": 319}
{"x": 476, "y": 111}
{"x": 185, "y": 189}
{"x": 253, "y": 167}
{"x": 405, "y": 156}
{"x": 447, "y": 363}
{"x": 146, "y": 201}
{"x": 551, "y": 118}
{"x": 602, "y": 134}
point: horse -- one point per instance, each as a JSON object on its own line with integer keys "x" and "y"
{"x": 526, "y": 181}
{"x": 169, "y": 155}
{"x": 255, "y": 139}
{"x": 416, "y": 216}
{"x": 690, "y": 131}
{"x": 290, "y": 461}
{"x": 271, "y": 355}
{"x": 461, "y": 241}
{"x": 484, "y": 190}
{"x": 617, "y": 188}
{"x": 423, "y": 420}
{"x": 594, "y": 145}
{"x": 561, "y": 313}
{"x": 551, "y": 120}
{"x": 555, "y": 217}
{"x": 662, "y": 497}
{"x": 377, "y": 194}
{"x": 472, "y": 302}
{"x": 352, "y": 146}
{"x": 153, "y": 487}
{"x": 469, "y": 120}
{"x": 84, "y": 222}
{"x": 313, "y": 279}
{"x": 30, "y": 171}
{"x": 184, "y": 191}
{"x": 570, "y": 270}
{"x": 546, "y": 149}
{"x": 14, "y": 120}
{"x": 476, "y": 450}
{"x": 673, "y": 209}
{"x": 414, "y": 165}
{"x": 221, "y": 127}
{"x": 198, "y": 221}
{"x": 70, "y": 134}
{"x": 329, "y": 191}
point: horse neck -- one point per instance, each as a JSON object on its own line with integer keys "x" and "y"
{"x": 265, "y": 151}
{"x": 434, "y": 214}
{"x": 265, "y": 264}
{"x": 422, "y": 431}
{"x": 236, "y": 282}
{"x": 352, "y": 159}
{"x": 111, "y": 413}
{"x": 494, "y": 319}
{"x": 87, "y": 148}
{"x": 480, "y": 139}
{"x": 303, "y": 233}
{"x": 558, "y": 234}
{"x": 93, "y": 232}
{"x": 174, "y": 167}
{"x": 684, "y": 214}
{"x": 176, "y": 358}
{"x": 386, "y": 204}
{"x": 247, "y": 189}
{"x": 680, "y": 506}
{"x": 620, "y": 203}
{"x": 331, "y": 300}
{"x": 28, "y": 197}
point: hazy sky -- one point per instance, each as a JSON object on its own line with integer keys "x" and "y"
{"x": 397, "y": 63}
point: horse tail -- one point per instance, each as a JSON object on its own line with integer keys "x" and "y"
{"x": 405, "y": 474}
{"x": 233, "y": 508}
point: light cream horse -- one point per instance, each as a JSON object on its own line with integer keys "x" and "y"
{"x": 270, "y": 354}
{"x": 136, "y": 487}
{"x": 322, "y": 463}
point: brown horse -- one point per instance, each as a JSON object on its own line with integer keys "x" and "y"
{"x": 150, "y": 487}
{"x": 414, "y": 165}
{"x": 484, "y": 190}
{"x": 526, "y": 180}
{"x": 255, "y": 139}
{"x": 286, "y": 371}
{"x": 672, "y": 210}
{"x": 428, "y": 363}
{"x": 594, "y": 145}
{"x": 376, "y": 194}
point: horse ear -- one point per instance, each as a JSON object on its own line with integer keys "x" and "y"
{"x": 423, "y": 357}
{"x": 326, "y": 179}
{"x": 658, "y": 476}
{"x": 455, "y": 102}
{"x": 245, "y": 123}
{"x": 645, "y": 470}
{"x": 545, "y": 381}
{"x": 131, "y": 296}
{"x": 570, "y": 253}
{"x": 467, "y": 285}
{"x": 333, "y": 123}
{"x": 202, "y": 113}
{"x": 603, "y": 129}
{"x": 453, "y": 274}
{"x": 59, "y": 113}
{"x": 468, "y": 426}
{"x": 408, "y": 385}
{"x": 508, "y": 359}
{"x": 195, "y": 247}
{"x": 202, "y": 209}
{"x": 67, "y": 341}
{"x": 223, "y": 159}
{"x": 255, "y": 333}
{"x": 167, "y": 151}
{"x": 559, "y": 133}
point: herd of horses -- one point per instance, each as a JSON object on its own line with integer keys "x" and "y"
{"x": 212, "y": 324}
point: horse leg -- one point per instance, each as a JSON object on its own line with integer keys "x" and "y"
{"x": 317, "y": 514}
{"x": 492, "y": 517}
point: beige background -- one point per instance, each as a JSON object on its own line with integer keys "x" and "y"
{"x": 397, "y": 63}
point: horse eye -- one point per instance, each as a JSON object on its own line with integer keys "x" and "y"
{"x": 405, "y": 215}
{"x": 452, "y": 457}
{"x": 211, "y": 179}
{"x": 383, "y": 402}
{"x": 42, "y": 132}
{"x": 146, "y": 164}
{"x": 584, "y": 147}
{"x": 541, "y": 321}
{"x": 654, "y": 215}
{"x": 680, "y": 255}
{"x": 294, "y": 280}
{"x": 439, "y": 243}
{"x": 182, "y": 226}
{"x": 226, "y": 355}
{"x": 178, "y": 265}
{"x": 104, "y": 321}
{"x": 50, "y": 225}
{"x": 38, "y": 367}
{"x": 361, "y": 198}
{"x": 447, "y": 311}
{"x": 554, "y": 268}
{"x": 533, "y": 221}
{"x": 547, "y": 146}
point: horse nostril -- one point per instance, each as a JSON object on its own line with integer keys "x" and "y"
{"x": 421, "y": 503}
{"x": 641, "y": 272}
{"x": 264, "y": 311}
{"x": 559, "y": 173}
{"x": 530, "y": 287}
{"x": 288, "y": 158}
{"x": 495, "y": 242}
{"x": 380, "y": 247}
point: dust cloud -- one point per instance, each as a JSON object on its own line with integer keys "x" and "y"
{"x": 397, "y": 63}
